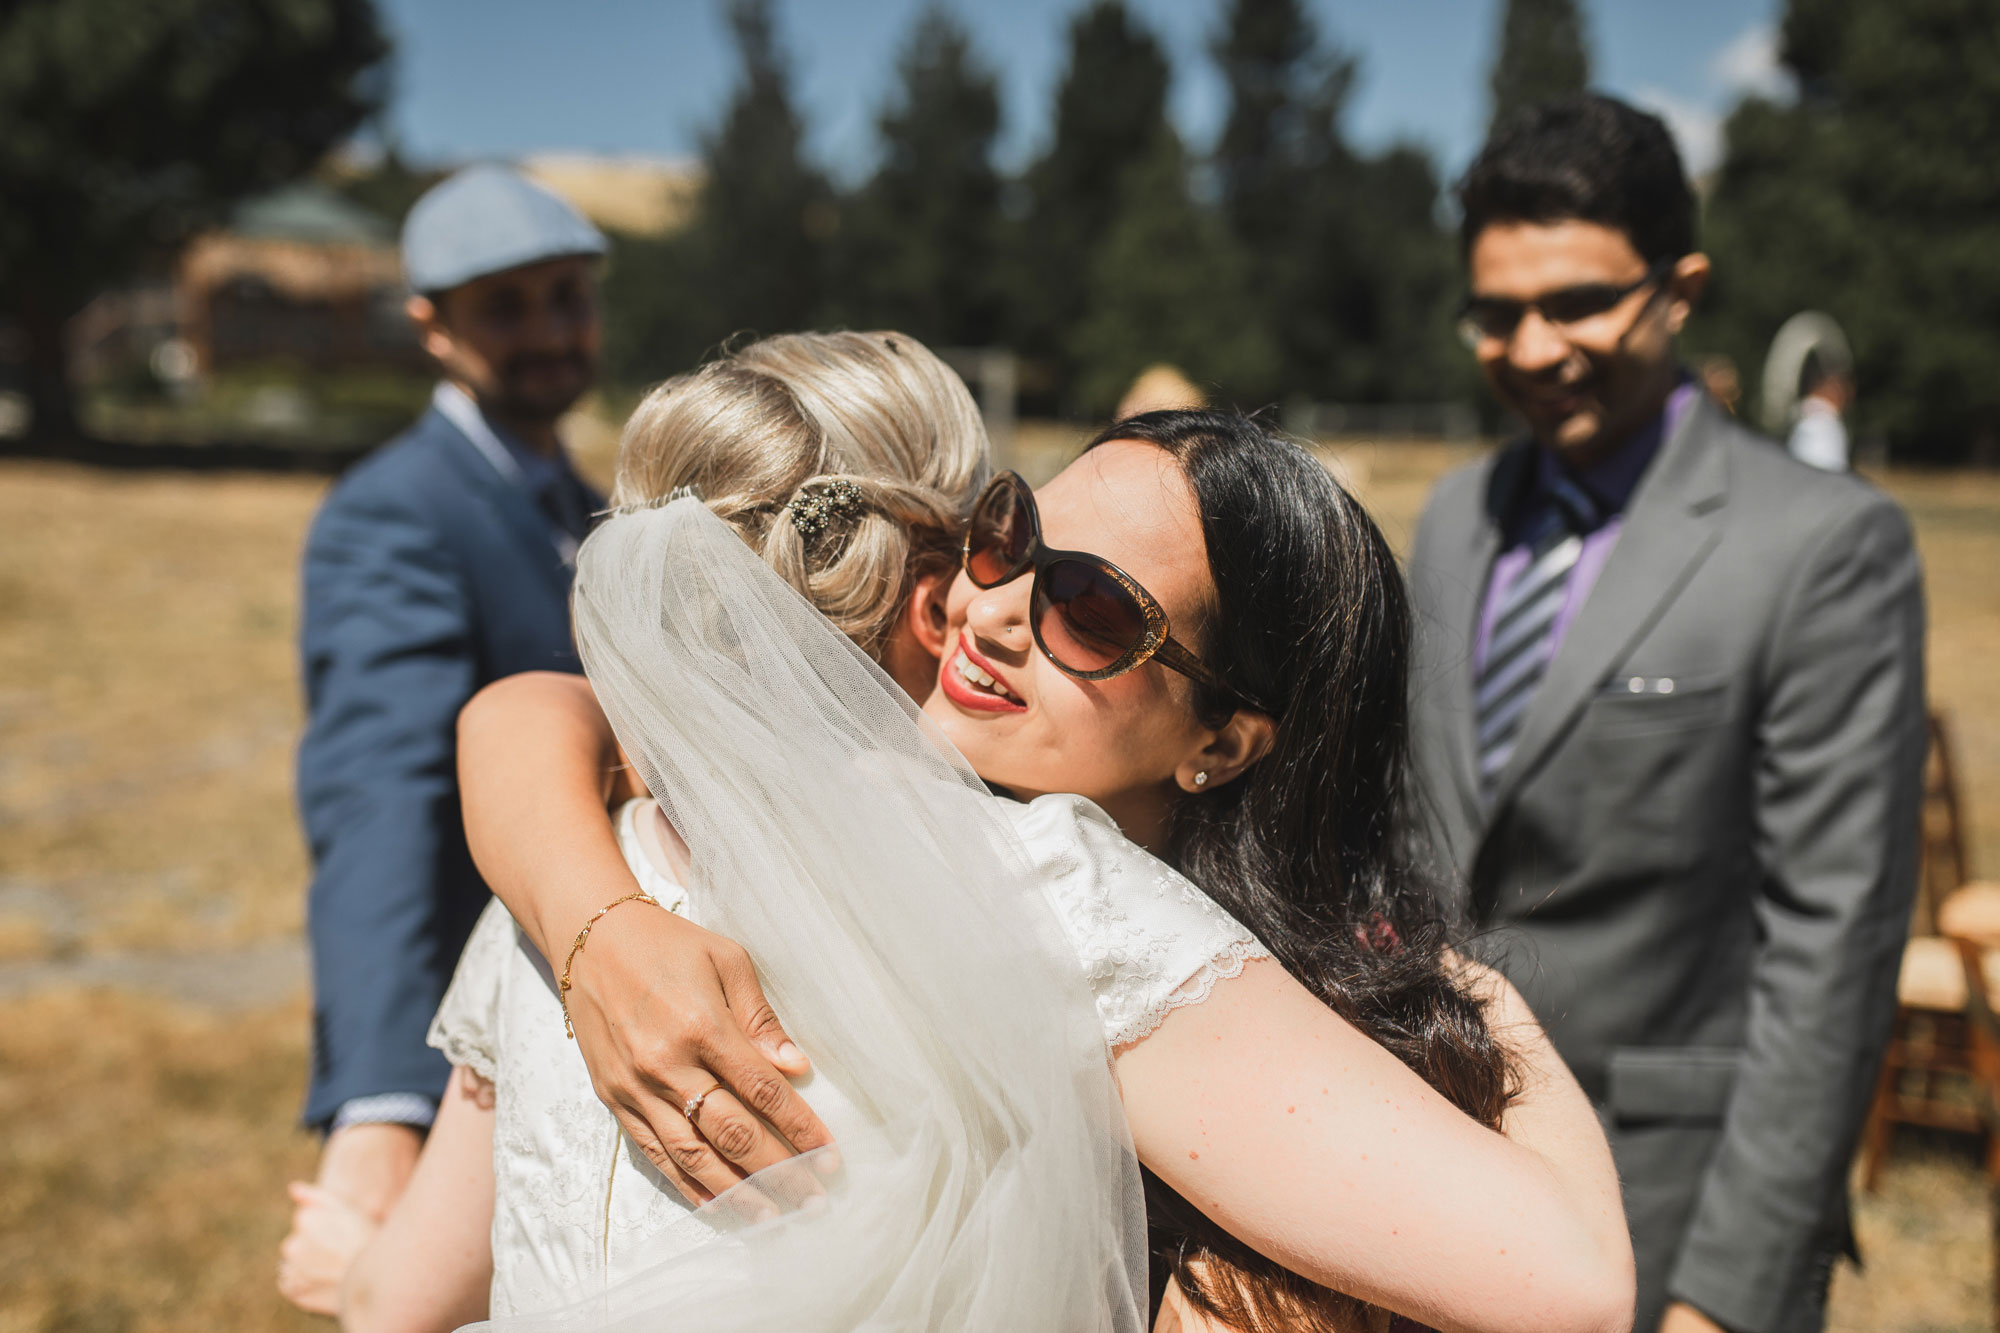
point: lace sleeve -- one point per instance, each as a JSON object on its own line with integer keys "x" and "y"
{"x": 467, "y": 1025}
{"x": 1150, "y": 942}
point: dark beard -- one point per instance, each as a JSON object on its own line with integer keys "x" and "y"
{"x": 517, "y": 403}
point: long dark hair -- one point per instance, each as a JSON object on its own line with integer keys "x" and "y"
{"x": 1308, "y": 848}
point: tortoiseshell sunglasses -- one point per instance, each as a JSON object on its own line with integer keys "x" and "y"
{"x": 1089, "y": 617}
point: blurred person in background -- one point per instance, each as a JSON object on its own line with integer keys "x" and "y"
{"x": 1819, "y": 435}
{"x": 440, "y": 564}
{"x": 1669, "y": 722}
{"x": 1159, "y": 388}
{"x": 1724, "y": 385}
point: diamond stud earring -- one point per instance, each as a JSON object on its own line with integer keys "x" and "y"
{"x": 1201, "y": 778}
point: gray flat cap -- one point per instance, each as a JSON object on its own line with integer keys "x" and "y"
{"x": 486, "y": 219}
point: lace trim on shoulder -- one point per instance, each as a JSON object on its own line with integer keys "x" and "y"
{"x": 1224, "y": 966}
{"x": 466, "y": 1025}
{"x": 464, "y": 1050}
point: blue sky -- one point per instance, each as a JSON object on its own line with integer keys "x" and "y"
{"x": 502, "y": 78}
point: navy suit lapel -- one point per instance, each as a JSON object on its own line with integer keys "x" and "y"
{"x": 529, "y": 526}
{"x": 1672, "y": 523}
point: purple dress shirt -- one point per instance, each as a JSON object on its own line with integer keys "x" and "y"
{"x": 1611, "y": 482}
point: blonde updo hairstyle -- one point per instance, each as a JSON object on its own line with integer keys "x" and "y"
{"x": 767, "y": 435}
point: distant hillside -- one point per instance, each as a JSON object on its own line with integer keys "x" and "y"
{"x": 642, "y": 196}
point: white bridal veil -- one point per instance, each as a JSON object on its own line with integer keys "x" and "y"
{"x": 885, "y": 899}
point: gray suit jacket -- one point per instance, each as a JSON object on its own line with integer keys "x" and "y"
{"x": 1699, "y": 863}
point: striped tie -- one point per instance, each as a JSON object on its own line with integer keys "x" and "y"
{"x": 1517, "y": 655}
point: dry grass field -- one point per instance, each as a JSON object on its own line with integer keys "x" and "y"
{"x": 152, "y": 1051}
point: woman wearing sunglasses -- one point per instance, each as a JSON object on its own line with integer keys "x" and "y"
{"x": 1267, "y": 767}
{"x": 1197, "y": 631}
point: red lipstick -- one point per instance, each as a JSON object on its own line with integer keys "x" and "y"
{"x": 968, "y": 694}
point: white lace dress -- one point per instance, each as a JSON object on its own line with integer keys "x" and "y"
{"x": 577, "y": 1206}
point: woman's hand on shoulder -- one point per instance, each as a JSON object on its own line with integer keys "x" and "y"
{"x": 666, "y": 1012}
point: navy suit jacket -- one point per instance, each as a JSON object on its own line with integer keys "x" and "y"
{"x": 427, "y": 575}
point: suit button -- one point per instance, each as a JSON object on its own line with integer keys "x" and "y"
{"x": 1636, "y": 685}
{"x": 1664, "y": 686}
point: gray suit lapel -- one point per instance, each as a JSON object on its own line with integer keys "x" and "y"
{"x": 1670, "y": 526}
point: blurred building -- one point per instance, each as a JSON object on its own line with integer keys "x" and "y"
{"x": 302, "y": 277}
{"x": 309, "y": 279}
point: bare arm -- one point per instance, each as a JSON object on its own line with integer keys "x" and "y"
{"x": 1308, "y": 1141}
{"x": 429, "y": 1267}
{"x": 535, "y": 755}
{"x": 663, "y": 1010}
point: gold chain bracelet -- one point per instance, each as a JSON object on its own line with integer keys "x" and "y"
{"x": 577, "y": 948}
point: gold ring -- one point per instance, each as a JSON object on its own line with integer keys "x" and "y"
{"x": 693, "y": 1108}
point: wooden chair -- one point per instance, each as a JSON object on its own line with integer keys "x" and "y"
{"x": 1970, "y": 919}
{"x": 1942, "y": 1069}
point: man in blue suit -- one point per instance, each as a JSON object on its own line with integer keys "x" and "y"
{"x": 439, "y": 564}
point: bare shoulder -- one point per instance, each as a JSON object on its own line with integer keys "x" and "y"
{"x": 1507, "y": 1012}
{"x": 1486, "y": 984}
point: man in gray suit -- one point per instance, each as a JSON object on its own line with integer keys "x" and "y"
{"x": 1669, "y": 724}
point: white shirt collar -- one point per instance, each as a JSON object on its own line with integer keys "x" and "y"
{"x": 457, "y": 407}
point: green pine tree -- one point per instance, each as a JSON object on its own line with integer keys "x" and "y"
{"x": 919, "y": 245}
{"x": 1111, "y": 109}
{"x": 1285, "y": 171}
{"x": 1166, "y": 283}
{"x": 1349, "y": 269}
{"x": 1874, "y": 196}
{"x": 1285, "y": 98}
{"x": 1398, "y": 341}
{"x": 132, "y": 124}
{"x": 753, "y": 258}
{"x": 1542, "y": 55}
{"x": 661, "y": 308}
{"x": 766, "y": 214}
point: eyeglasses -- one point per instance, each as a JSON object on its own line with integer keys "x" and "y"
{"x": 1088, "y": 616}
{"x": 1483, "y": 317}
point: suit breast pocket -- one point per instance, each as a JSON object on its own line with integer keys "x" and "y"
{"x": 1685, "y": 1083}
{"x": 1651, "y": 746}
